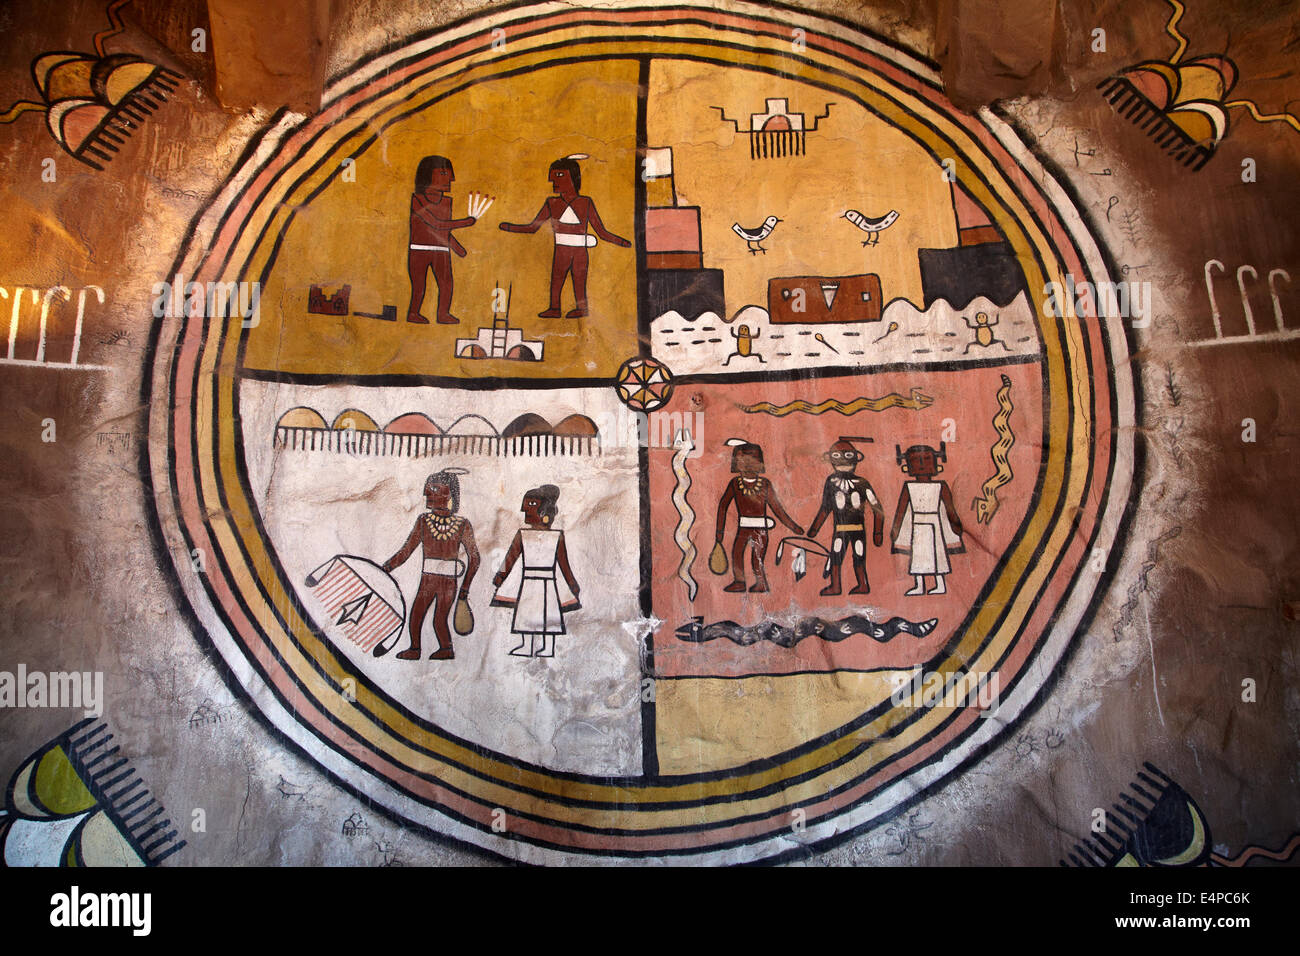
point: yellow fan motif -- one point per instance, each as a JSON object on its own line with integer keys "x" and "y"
{"x": 76, "y": 802}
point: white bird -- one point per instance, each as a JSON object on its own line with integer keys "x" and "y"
{"x": 755, "y": 237}
{"x": 873, "y": 227}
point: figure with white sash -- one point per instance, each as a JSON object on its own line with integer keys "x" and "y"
{"x": 535, "y": 579}
{"x": 753, "y": 495}
{"x": 443, "y": 534}
{"x": 926, "y": 524}
{"x": 569, "y": 215}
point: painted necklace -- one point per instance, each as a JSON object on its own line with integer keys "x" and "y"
{"x": 442, "y": 527}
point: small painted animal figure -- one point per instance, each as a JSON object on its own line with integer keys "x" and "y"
{"x": 744, "y": 344}
{"x": 754, "y": 237}
{"x": 872, "y": 227}
{"x": 983, "y": 330}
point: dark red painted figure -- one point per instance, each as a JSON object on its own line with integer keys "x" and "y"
{"x": 569, "y": 215}
{"x": 753, "y": 495}
{"x": 432, "y": 243}
{"x": 442, "y": 533}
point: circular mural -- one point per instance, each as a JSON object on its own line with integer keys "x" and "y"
{"x": 457, "y": 531}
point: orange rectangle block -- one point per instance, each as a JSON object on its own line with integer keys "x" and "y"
{"x": 672, "y": 229}
{"x": 978, "y": 235}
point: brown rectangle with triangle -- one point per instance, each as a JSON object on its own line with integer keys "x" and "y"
{"x": 824, "y": 299}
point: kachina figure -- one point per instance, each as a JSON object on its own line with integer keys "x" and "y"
{"x": 443, "y": 534}
{"x": 744, "y": 345}
{"x": 849, "y": 498}
{"x": 432, "y": 243}
{"x": 569, "y": 215}
{"x": 539, "y": 595}
{"x": 753, "y": 495}
{"x": 926, "y": 522}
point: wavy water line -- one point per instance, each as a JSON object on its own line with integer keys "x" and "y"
{"x": 114, "y": 21}
{"x": 1171, "y": 29}
{"x": 1281, "y": 854}
{"x": 916, "y": 401}
{"x": 19, "y": 108}
{"x": 986, "y": 505}
{"x": 1287, "y": 118}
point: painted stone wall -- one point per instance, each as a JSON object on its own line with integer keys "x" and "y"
{"x": 641, "y": 432}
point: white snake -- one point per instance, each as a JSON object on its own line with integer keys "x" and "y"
{"x": 682, "y": 535}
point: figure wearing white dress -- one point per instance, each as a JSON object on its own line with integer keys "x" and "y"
{"x": 926, "y": 524}
{"x": 535, "y": 579}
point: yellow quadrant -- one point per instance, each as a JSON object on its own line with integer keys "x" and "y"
{"x": 705, "y": 725}
{"x": 854, "y": 160}
{"x": 501, "y": 136}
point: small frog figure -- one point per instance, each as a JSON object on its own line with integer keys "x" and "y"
{"x": 983, "y": 330}
{"x": 744, "y": 345}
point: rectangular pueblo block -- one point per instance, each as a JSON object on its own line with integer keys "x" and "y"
{"x": 821, "y": 299}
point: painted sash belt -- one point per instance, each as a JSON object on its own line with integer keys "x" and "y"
{"x": 698, "y": 632}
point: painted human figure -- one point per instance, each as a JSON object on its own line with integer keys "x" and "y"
{"x": 848, "y": 498}
{"x": 443, "y": 534}
{"x": 432, "y": 243}
{"x": 753, "y": 494}
{"x": 569, "y": 215}
{"x": 536, "y": 580}
{"x": 926, "y": 524}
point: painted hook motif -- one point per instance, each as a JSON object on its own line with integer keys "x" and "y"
{"x": 1272, "y": 291}
{"x": 1245, "y": 299}
{"x": 1209, "y": 290}
{"x": 13, "y": 320}
{"x": 81, "y": 314}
